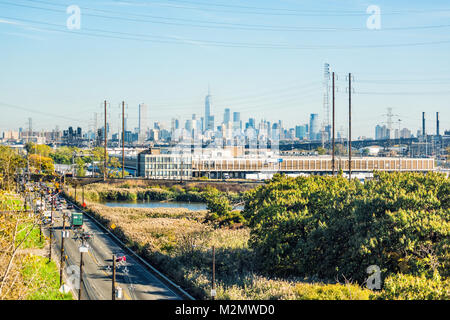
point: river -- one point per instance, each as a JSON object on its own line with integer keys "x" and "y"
{"x": 194, "y": 206}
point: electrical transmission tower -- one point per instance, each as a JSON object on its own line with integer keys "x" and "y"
{"x": 326, "y": 105}
{"x": 389, "y": 122}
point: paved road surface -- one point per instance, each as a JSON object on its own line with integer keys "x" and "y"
{"x": 136, "y": 281}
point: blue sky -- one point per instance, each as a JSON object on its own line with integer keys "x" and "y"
{"x": 262, "y": 58}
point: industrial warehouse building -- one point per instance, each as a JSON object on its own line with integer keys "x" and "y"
{"x": 153, "y": 164}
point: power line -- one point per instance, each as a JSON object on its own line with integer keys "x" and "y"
{"x": 39, "y": 112}
{"x": 287, "y": 12}
{"x": 146, "y": 38}
{"x": 221, "y": 25}
{"x": 404, "y": 93}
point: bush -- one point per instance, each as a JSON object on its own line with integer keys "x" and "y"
{"x": 220, "y": 209}
{"x": 308, "y": 291}
{"x": 328, "y": 227}
{"x": 407, "y": 287}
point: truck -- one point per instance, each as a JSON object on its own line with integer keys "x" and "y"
{"x": 76, "y": 220}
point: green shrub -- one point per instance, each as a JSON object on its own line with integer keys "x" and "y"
{"x": 220, "y": 210}
{"x": 328, "y": 227}
{"x": 407, "y": 287}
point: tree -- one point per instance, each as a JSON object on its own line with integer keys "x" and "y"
{"x": 10, "y": 163}
{"x": 81, "y": 171}
{"x": 40, "y": 149}
{"x": 321, "y": 151}
{"x": 42, "y": 165}
{"x": 220, "y": 209}
{"x": 64, "y": 155}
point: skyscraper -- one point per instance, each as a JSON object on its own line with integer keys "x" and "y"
{"x": 209, "y": 119}
{"x": 237, "y": 126}
{"x": 142, "y": 125}
{"x": 227, "y": 115}
{"x": 251, "y": 123}
{"x": 300, "y": 132}
{"x": 314, "y": 126}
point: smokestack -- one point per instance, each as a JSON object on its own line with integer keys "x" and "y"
{"x": 437, "y": 124}
{"x": 423, "y": 124}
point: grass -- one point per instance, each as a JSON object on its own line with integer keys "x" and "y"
{"x": 10, "y": 201}
{"x": 31, "y": 277}
{"x": 33, "y": 240}
{"x": 43, "y": 279}
{"x": 178, "y": 242}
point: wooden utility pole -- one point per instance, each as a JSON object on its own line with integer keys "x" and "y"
{"x": 334, "y": 130}
{"x": 114, "y": 278}
{"x": 106, "y": 145}
{"x": 61, "y": 264}
{"x": 349, "y": 126}
{"x": 123, "y": 139}
{"x": 81, "y": 275}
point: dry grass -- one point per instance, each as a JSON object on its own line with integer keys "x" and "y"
{"x": 178, "y": 242}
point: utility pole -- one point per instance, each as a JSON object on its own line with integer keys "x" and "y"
{"x": 123, "y": 139}
{"x": 83, "y": 248}
{"x": 334, "y": 124}
{"x": 349, "y": 126}
{"x": 63, "y": 235}
{"x": 75, "y": 192}
{"x": 51, "y": 232}
{"x": 106, "y": 145}
{"x": 81, "y": 274}
{"x": 82, "y": 195}
{"x": 114, "y": 278}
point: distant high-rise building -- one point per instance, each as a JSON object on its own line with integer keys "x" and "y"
{"x": 405, "y": 134}
{"x": 237, "y": 124}
{"x": 236, "y": 116}
{"x": 314, "y": 126}
{"x": 300, "y": 132}
{"x": 209, "y": 119}
{"x": 382, "y": 133}
{"x": 227, "y": 115}
{"x": 142, "y": 124}
{"x": 251, "y": 123}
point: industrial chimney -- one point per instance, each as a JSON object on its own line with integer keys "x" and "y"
{"x": 437, "y": 124}
{"x": 423, "y": 124}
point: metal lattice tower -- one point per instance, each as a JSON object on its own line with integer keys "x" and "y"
{"x": 326, "y": 103}
{"x": 389, "y": 121}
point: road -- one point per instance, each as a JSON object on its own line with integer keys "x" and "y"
{"x": 136, "y": 280}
